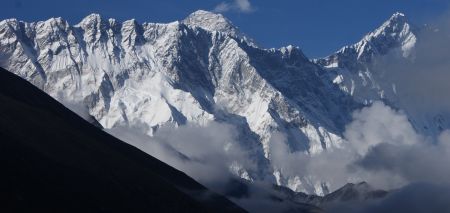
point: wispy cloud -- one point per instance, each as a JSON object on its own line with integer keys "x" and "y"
{"x": 243, "y": 6}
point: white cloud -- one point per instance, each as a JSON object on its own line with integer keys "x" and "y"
{"x": 379, "y": 124}
{"x": 243, "y": 6}
{"x": 381, "y": 147}
{"x": 222, "y": 7}
{"x": 210, "y": 154}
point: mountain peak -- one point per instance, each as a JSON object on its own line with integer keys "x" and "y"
{"x": 397, "y": 23}
{"x": 203, "y": 12}
{"x": 91, "y": 19}
{"x": 395, "y": 32}
{"x": 130, "y": 22}
{"x": 56, "y": 20}
{"x": 398, "y": 16}
{"x": 291, "y": 50}
{"x": 210, "y": 21}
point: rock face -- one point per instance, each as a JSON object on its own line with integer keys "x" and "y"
{"x": 203, "y": 69}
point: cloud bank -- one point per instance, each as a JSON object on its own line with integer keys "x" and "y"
{"x": 210, "y": 154}
{"x": 383, "y": 149}
{"x": 371, "y": 126}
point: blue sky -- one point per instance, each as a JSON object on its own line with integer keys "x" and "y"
{"x": 319, "y": 27}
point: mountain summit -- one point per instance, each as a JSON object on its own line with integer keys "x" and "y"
{"x": 351, "y": 66}
{"x": 210, "y": 21}
{"x": 215, "y": 22}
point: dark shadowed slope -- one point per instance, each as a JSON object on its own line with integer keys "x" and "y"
{"x": 54, "y": 161}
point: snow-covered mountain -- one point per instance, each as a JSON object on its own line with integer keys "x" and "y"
{"x": 350, "y": 67}
{"x": 204, "y": 69}
{"x": 361, "y": 71}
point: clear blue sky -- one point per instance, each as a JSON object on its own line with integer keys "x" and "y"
{"x": 319, "y": 27}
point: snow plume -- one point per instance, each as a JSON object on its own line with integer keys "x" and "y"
{"x": 210, "y": 154}
{"x": 243, "y": 6}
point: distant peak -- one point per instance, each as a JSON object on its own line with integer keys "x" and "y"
{"x": 112, "y": 22}
{"x": 397, "y": 24}
{"x": 91, "y": 19}
{"x": 202, "y": 12}
{"x": 131, "y": 22}
{"x": 53, "y": 23}
{"x": 397, "y": 15}
{"x": 210, "y": 21}
{"x": 292, "y": 51}
{"x": 395, "y": 32}
{"x": 93, "y": 16}
{"x": 56, "y": 19}
{"x": 289, "y": 49}
{"x": 397, "y": 18}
